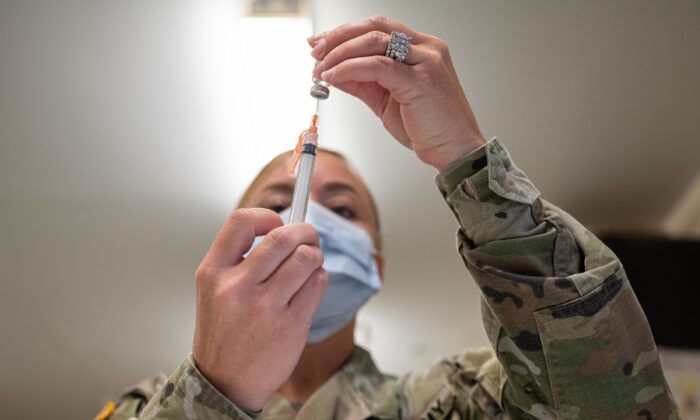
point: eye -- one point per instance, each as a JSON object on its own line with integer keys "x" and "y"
{"x": 278, "y": 208}
{"x": 344, "y": 212}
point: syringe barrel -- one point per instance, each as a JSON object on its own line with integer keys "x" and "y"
{"x": 302, "y": 187}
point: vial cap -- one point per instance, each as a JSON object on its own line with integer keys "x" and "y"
{"x": 318, "y": 91}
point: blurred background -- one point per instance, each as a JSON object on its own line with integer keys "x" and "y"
{"x": 129, "y": 129}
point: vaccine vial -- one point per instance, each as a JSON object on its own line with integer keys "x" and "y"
{"x": 319, "y": 90}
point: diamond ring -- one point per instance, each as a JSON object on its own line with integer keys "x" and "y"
{"x": 398, "y": 46}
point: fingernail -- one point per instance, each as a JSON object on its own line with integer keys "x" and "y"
{"x": 314, "y": 38}
{"x": 327, "y": 75}
{"x": 319, "y": 48}
{"x": 319, "y": 67}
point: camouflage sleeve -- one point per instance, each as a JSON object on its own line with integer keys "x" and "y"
{"x": 185, "y": 395}
{"x": 566, "y": 326}
{"x": 134, "y": 399}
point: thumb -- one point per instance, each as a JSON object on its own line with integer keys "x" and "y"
{"x": 237, "y": 235}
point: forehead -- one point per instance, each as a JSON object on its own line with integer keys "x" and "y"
{"x": 328, "y": 168}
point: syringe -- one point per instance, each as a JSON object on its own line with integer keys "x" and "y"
{"x": 305, "y": 156}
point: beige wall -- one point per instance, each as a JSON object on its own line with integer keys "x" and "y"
{"x": 683, "y": 220}
{"x": 109, "y": 197}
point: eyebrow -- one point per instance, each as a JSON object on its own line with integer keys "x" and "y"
{"x": 280, "y": 187}
{"x": 329, "y": 188}
{"x": 332, "y": 187}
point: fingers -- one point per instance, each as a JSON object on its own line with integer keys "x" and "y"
{"x": 385, "y": 71}
{"x": 331, "y": 39}
{"x": 307, "y": 298}
{"x": 293, "y": 273}
{"x": 371, "y": 94}
{"x": 237, "y": 235}
{"x": 277, "y": 246}
{"x": 365, "y": 45}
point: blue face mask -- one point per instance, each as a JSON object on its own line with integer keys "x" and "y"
{"x": 349, "y": 260}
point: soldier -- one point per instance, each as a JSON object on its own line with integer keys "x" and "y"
{"x": 274, "y": 329}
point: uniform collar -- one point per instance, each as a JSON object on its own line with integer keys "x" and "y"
{"x": 349, "y": 393}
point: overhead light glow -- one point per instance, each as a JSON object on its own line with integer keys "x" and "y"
{"x": 253, "y": 75}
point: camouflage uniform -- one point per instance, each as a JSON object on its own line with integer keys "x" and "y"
{"x": 570, "y": 338}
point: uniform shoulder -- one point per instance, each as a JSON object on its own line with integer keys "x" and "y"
{"x": 467, "y": 381}
{"x": 135, "y": 398}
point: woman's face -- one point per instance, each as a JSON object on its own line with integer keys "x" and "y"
{"x": 333, "y": 185}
